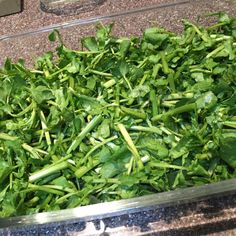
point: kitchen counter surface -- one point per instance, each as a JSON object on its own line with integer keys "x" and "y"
{"x": 32, "y": 17}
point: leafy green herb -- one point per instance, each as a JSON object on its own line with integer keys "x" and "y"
{"x": 123, "y": 117}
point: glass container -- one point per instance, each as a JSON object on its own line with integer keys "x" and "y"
{"x": 168, "y": 14}
{"x": 69, "y": 7}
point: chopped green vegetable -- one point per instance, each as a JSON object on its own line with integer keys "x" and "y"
{"x": 122, "y": 118}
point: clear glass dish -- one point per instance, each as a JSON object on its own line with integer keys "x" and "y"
{"x": 31, "y": 44}
{"x": 110, "y": 209}
{"x": 69, "y": 7}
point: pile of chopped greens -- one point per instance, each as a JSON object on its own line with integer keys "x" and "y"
{"x": 123, "y": 117}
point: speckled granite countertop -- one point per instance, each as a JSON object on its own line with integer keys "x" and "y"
{"x": 32, "y": 17}
{"x": 216, "y": 216}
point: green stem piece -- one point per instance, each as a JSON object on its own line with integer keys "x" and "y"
{"x": 131, "y": 145}
{"x": 90, "y": 126}
{"x": 48, "y": 171}
{"x": 84, "y": 169}
{"x": 134, "y": 113}
{"x": 33, "y": 187}
{"x": 178, "y": 110}
{"x": 153, "y": 99}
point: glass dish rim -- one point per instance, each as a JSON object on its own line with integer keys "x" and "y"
{"x": 115, "y": 208}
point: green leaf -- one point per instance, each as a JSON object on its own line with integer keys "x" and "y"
{"x": 198, "y": 76}
{"x": 104, "y": 154}
{"x": 128, "y": 180}
{"x": 61, "y": 100}
{"x": 140, "y": 91}
{"x": 63, "y": 182}
{"x": 104, "y": 129}
{"x": 91, "y": 83}
{"x": 109, "y": 170}
{"x": 197, "y": 169}
{"x": 52, "y": 36}
{"x": 5, "y": 90}
{"x": 8, "y": 65}
{"x": 90, "y": 43}
{"x": 206, "y": 101}
{"x": 228, "y": 150}
{"x": 5, "y": 170}
{"x": 150, "y": 143}
{"x": 41, "y": 94}
{"x": 155, "y": 36}
{"x": 103, "y": 33}
{"x": 8, "y": 206}
{"x": 124, "y": 47}
{"x": 124, "y": 68}
{"x": 74, "y": 66}
{"x": 179, "y": 180}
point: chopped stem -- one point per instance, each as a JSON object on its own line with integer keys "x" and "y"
{"x": 31, "y": 150}
{"x": 90, "y": 126}
{"x": 145, "y": 77}
{"x": 166, "y": 165}
{"x": 169, "y": 103}
{"x": 45, "y": 128}
{"x": 171, "y": 81}
{"x": 169, "y": 132}
{"x": 130, "y": 165}
{"x": 131, "y": 145}
{"x": 156, "y": 69}
{"x": 101, "y": 73}
{"x": 215, "y": 51}
{"x": 7, "y": 137}
{"x": 134, "y": 113}
{"x": 217, "y": 25}
{"x": 59, "y": 187}
{"x": 143, "y": 63}
{"x": 155, "y": 106}
{"x": 98, "y": 58}
{"x": 82, "y": 96}
{"x": 233, "y": 118}
{"x": 204, "y": 38}
{"x": 178, "y": 110}
{"x": 63, "y": 198}
{"x": 48, "y": 171}
{"x": 117, "y": 97}
{"x": 57, "y": 72}
{"x": 84, "y": 169}
{"x": 33, "y": 187}
{"x": 109, "y": 83}
{"x": 108, "y": 180}
{"x": 99, "y": 145}
{"x": 127, "y": 82}
{"x": 37, "y": 72}
{"x": 165, "y": 66}
{"x": 87, "y": 52}
{"x": 27, "y": 109}
{"x": 201, "y": 70}
{"x": 231, "y": 124}
{"x": 151, "y": 129}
